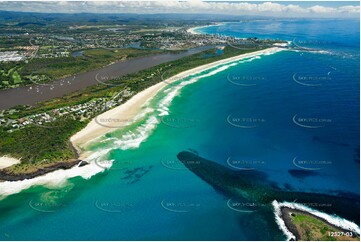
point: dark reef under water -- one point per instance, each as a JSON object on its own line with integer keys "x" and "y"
{"x": 255, "y": 187}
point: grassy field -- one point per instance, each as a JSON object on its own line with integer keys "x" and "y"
{"x": 311, "y": 229}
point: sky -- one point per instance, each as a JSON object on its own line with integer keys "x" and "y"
{"x": 313, "y": 9}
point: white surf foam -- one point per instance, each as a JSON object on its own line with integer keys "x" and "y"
{"x": 281, "y": 224}
{"x": 133, "y": 139}
{"x": 332, "y": 219}
{"x": 56, "y": 178}
{"x": 130, "y": 140}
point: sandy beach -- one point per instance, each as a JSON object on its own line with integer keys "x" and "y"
{"x": 124, "y": 114}
{"x": 7, "y": 161}
{"x": 193, "y": 30}
{"x": 113, "y": 119}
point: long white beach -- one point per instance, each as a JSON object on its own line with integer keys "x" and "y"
{"x": 130, "y": 109}
{"x": 193, "y": 30}
{"x": 127, "y": 111}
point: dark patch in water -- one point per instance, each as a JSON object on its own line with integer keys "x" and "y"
{"x": 356, "y": 155}
{"x": 275, "y": 185}
{"x": 348, "y": 195}
{"x": 301, "y": 174}
{"x": 288, "y": 186}
{"x": 193, "y": 151}
{"x": 317, "y": 138}
{"x": 257, "y": 187}
{"x": 134, "y": 175}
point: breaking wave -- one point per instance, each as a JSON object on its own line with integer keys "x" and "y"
{"x": 332, "y": 219}
{"x": 139, "y": 129}
{"x": 57, "y": 178}
{"x": 132, "y": 139}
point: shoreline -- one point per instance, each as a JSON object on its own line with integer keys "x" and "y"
{"x": 63, "y": 165}
{"x": 289, "y": 229}
{"x": 193, "y": 29}
{"x": 286, "y": 213}
{"x": 126, "y": 113}
{"x": 6, "y": 175}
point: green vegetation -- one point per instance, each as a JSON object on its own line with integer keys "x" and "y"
{"x": 311, "y": 228}
{"x": 255, "y": 187}
{"x": 47, "y": 43}
{"x": 61, "y": 67}
{"x": 8, "y": 43}
{"x": 43, "y": 70}
{"x": 38, "y": 146}
{"x": 136, "y": 81}
{"x": 9, "y": 75}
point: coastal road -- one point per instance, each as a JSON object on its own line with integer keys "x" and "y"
{"x": 30, "y": 95}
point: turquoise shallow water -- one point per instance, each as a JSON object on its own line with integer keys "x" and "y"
{"x": 243, "y": 116}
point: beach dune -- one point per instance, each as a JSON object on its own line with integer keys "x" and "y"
{"x": 7, "y": 161}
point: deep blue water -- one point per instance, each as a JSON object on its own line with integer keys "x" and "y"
{"x": 274, "y": 114}
{"x": 322, "y": 83}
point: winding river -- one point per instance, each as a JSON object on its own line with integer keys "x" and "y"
{"x": 30, "y": 95}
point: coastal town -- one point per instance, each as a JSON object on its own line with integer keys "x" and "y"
{"x": 44, "y": 46}
{"x": 121, "y": 116}
{"x": 40, "y": 51}
{"x": 77, "y": 112}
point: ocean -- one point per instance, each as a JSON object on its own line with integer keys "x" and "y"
{"x": 293, "y": 115}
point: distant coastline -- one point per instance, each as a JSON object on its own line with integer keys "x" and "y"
{"x": 193, "y": 30}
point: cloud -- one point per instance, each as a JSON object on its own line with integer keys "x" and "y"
{"x": 322, "y": 9}
{"x": 350, "y": 9}
{"x": 278, "y": 9}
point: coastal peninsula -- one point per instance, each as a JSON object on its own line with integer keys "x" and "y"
{"x": 121, "y": 97}
{"x": 254, "y": 187}
{"x": 306, "y": 226}
{"x": 179, "y": 121}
